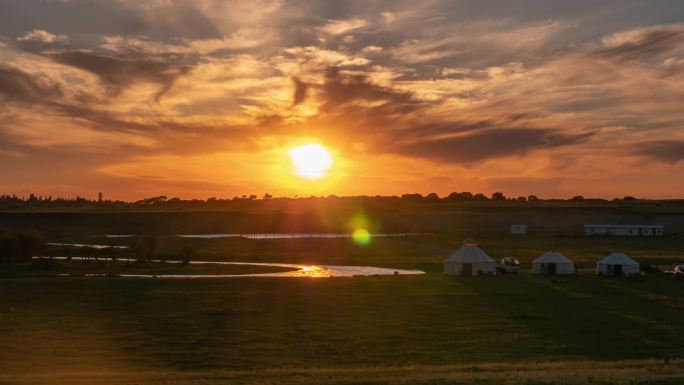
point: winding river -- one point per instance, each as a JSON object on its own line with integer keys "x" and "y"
{"x": 272, "y": 235}
{"x": 298, "y": 270}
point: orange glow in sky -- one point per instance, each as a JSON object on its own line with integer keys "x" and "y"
{"x": 361, "y": 100}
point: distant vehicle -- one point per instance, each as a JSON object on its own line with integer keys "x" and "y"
{"x": 509, "y": 265}
{"x": 679, "y": 272}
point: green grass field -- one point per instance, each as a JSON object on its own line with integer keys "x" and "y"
{"x": 427, "y": 252}
{"x": 372, "y": 330}
{"x": 121, "y": 325}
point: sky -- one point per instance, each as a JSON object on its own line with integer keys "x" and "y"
{"x": 207, "y": 98}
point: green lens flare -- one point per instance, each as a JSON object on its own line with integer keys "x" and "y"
{"x": 361, "y": 236}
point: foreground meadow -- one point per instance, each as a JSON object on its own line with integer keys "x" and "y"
{"x": 373, "y": 330}
{"x": 642, "y": 372}
{"x": 79, "y": 327}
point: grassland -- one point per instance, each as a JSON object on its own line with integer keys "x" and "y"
{"x": 427, "y": 251}
{"x": 473, "y": 218}
{"x": 374, "y": 330}
{"x": 123, "y": 325}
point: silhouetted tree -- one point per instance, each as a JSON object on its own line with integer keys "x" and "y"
{"x": 31, "y": 242}
{"x": 187, "y": 254}
{"x": 480, "y": 197}
{"x": 460, "y": 196}
{"x": 412, "y": 197}
{"x": 432, "y": 197}
{"x": 465, "y": 196}
{"x": 150, "y": 246}
{"x": 150, "y": 201}
{"x": 498, "y": 196}
{"x": 9, "y": 249}
{"x": 533, "y": 198}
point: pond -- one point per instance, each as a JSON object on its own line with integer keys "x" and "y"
{"x": 272, "y": 235}
{"x": 92, "y": 246}
{"x": 298, "y": 270}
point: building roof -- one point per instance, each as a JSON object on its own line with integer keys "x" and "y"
{"x": 552, "y": 257}
{"x": 469, "y": 254}
{"x": 617, "y": 259}
{"x": 628, "y": 226}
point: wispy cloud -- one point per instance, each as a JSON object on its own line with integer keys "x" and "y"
{"x": 338, "y": 27}
{"x": 38, "y": 35}
{"x": 435, "y": 92}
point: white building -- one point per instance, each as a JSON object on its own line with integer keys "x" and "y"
{"x": 553, "y": 263}
{"x": 625, "y": 230}
{"x": 617, "y": 264}
{"x": 469, "y": 261}
{"x": 519, "y": 228}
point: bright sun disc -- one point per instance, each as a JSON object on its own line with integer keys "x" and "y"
{"x": 311, "y": 161}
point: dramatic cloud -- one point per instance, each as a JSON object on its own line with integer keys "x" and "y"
{"x": 662, "y": 150}
{"x": 41, "y": 36}
{"x": 299, "y": 92}
{"x": 207, "y": 96}
{"x": 120, "y": 72}
{"x": 642, "y": 43}
{"x": 494, "y": 143}
{"x": 17, "y": 85}
{"x": 338, "y": 27}
{"x": 347, "y": 93}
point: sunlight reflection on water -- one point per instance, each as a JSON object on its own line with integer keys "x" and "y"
{"x": 92, "y": 246}
{"x": 298, "y": 270}
{"x": 290, "y": 235}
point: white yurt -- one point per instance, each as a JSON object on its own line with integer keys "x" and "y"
{"x": 469, "y": 261}
{"x": 617, "y": 264}
{"x": 553, "y": 263}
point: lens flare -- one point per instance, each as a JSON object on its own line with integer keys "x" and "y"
{"x": 361, "y": 237}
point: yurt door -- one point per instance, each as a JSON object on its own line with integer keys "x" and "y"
{"x": 468, "y": 269}
{"x": 617, "y": 270}
{"x": 551, "y": 268}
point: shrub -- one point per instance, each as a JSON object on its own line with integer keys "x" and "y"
{"x": 31, "y": 242}
{"x": 9, "y": 249}
{"x": 187, "y": 254}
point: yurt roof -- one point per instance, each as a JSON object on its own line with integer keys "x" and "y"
{"x": 469, "y": 254}
{"x": 552, "y": 257}
{"x": 617, "y": 259}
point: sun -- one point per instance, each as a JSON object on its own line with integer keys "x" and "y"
{"x": 311, "y": 161}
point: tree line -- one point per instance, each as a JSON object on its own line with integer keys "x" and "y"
{"x": 14, "y": 202}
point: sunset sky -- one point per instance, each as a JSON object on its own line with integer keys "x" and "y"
{"x": 208, "y": 98}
